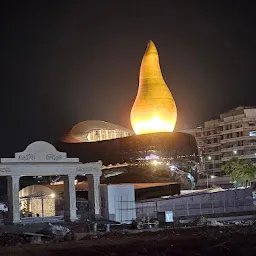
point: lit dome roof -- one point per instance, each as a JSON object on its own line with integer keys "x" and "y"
{"x": 94, "y": 130}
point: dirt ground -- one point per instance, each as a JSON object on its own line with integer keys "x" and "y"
{"x": 193, "y": 241}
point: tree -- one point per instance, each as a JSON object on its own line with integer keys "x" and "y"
{"x": 241, "y": 172}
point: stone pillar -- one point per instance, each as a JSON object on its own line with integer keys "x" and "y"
{"x": 94, "y": 194}
{"x": 69, "y": 198}
{"x": 13, "y": 188}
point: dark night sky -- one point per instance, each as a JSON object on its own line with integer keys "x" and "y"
{"x": 68, "y": 61}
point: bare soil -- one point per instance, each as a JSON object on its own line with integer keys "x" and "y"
{"x": 176, "y": 242}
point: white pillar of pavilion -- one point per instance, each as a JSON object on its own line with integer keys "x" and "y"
{"x": 94, "y": 194}
{"x": 70, "y": 198}
{"x": 13, "y": 185}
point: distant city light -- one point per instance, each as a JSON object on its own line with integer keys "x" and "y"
{"x": 209, "y": 158}
{"x": 213, "y": 176}
{"x": 235, "y": 152}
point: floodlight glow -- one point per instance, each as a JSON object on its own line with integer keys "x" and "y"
{"x": 155, "y": 162}
{"x": 52, "y": 195}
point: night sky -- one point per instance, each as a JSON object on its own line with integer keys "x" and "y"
{"x": 69, "y": 61}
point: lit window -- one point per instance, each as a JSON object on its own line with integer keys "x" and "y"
{"x": 252, "y": 133}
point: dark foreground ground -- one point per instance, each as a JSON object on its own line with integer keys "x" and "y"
{"x": 193, "y": 241}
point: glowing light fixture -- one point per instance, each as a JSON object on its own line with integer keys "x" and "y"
{"x": 52, "y": 195}
{"x": 173, "y": 167}
{"x": 151, "y": 156}
{"x": 154, "y": 109}
{"x": 155, "y": 162}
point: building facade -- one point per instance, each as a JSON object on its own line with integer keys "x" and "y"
{"x": 232, "y": 135}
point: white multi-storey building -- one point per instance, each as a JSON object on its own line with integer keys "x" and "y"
{"x": 232, "y": 135}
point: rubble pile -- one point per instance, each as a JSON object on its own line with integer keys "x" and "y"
{"x": 12, "y": 239}
{"x": 55, "y": 230}
{"x": 201, "y": 221}
{"x": 210, "y": 230}
{"x": 241, "y": 222}
{"x": 51, "y": 234}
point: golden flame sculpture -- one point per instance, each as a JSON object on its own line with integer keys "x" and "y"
{"x": 154, "y": 109}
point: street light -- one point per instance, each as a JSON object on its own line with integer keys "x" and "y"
{"x": 52, "y": 195}
{"x": 207, "y": 175}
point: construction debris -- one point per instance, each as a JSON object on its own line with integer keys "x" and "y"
{"x": 12, "y": 239}
{"x": 55, "y": 230}
{"x": 145, "y": 224}
{"x": 201, "y": 221}
{"x": 58, "y": 230}
{"x": 36, "y": 240}
{"x": 194, "y": 241}
{"x": 207, "y": 228}
{"x": 215, "y": 223}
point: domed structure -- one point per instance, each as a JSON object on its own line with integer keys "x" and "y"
{"x": 154, "y": 109}
{"x": 91, "y": 131}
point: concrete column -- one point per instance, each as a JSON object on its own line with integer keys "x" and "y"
{"x": 69, "y": 198}
{"x": 94, "y": 194}
{"x": 13, "y": 188}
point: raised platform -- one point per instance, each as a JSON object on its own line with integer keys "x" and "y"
{"x": 130, "y": 149}
{"x": 137, "y": 152}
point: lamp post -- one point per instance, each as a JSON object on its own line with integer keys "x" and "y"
{"x": 207, "y": 180}
{"x": 42, "y": 202}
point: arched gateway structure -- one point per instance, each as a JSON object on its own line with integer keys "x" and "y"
{"x": 42, "y": 159}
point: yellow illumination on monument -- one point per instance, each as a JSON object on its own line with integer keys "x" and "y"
{"x": 154, "y": 109}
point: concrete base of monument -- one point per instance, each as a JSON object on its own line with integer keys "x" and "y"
{"x": 147, "y": 158}
{"x": 147, "y": 174}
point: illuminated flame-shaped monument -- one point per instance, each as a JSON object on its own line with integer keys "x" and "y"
{"x": 154, "y": 109}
